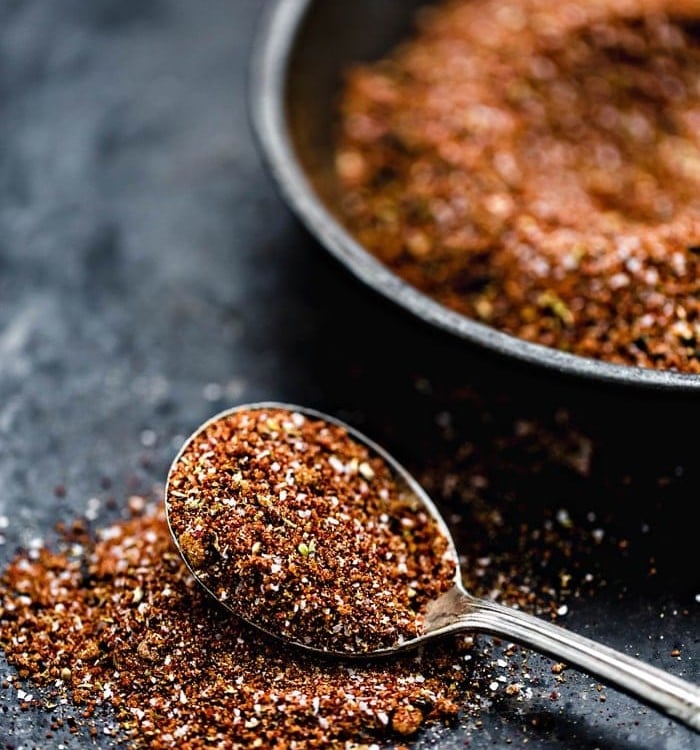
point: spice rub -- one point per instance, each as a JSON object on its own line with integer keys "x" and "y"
{"x": 536, "y": 166}
{"x": 122, "y": 623}
{"x": 299, "y": 529}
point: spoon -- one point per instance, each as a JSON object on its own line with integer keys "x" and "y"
{"x": 457, "y": 611}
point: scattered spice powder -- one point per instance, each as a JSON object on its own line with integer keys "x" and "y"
{"x": 301, "y": 530}
{"x": 536, "y": 166}
{"x": 538, "y": 508}
{"x": 123, "y": 623}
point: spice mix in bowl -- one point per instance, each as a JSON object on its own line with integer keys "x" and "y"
{"x": 536, "y": 166}
{"x": 517, "y": 175}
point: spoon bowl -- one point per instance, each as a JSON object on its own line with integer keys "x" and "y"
{"x": 455, "y": 610}
{"x": 401, "y": 476}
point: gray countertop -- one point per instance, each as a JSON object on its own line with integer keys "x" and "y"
{"x": 150, "y": 276}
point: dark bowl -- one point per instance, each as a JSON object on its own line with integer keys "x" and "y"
{"x": 299, "y": 58}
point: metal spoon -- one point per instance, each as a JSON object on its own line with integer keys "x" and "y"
{"x": 457, "y": 610}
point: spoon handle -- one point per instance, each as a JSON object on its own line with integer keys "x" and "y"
{"x": 666, "y": 692}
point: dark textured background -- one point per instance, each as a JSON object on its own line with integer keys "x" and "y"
{"x": 149, "y": 276}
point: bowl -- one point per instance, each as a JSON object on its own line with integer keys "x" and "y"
{"x": 301, "y": 51}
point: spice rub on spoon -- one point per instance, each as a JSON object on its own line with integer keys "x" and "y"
{"x": 300, "y": 528}
{"x": 305, "y": 528}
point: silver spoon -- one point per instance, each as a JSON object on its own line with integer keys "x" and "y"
{"x": 457, "y": 610}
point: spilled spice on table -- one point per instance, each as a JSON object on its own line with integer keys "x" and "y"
{"x": 119, "y": 623}
{"x": 122, "y": 623}
{"x": 301, "y": 530}
{"x": 544, "y": 521}
{"x": 536, "y": 166}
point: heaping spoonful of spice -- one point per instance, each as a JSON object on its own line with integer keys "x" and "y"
{"x": 305, "y": 528}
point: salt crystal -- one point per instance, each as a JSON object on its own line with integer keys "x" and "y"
{"x": 336, "y": 464}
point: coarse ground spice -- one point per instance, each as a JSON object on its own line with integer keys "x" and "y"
{"x": 299, "y": 529}
{"x": 123, "y": 623}
{"x": 536, "y": 166}
{"x": 544, "y": 518}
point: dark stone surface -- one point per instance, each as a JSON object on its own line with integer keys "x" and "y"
{"x": 149, "y": 276}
